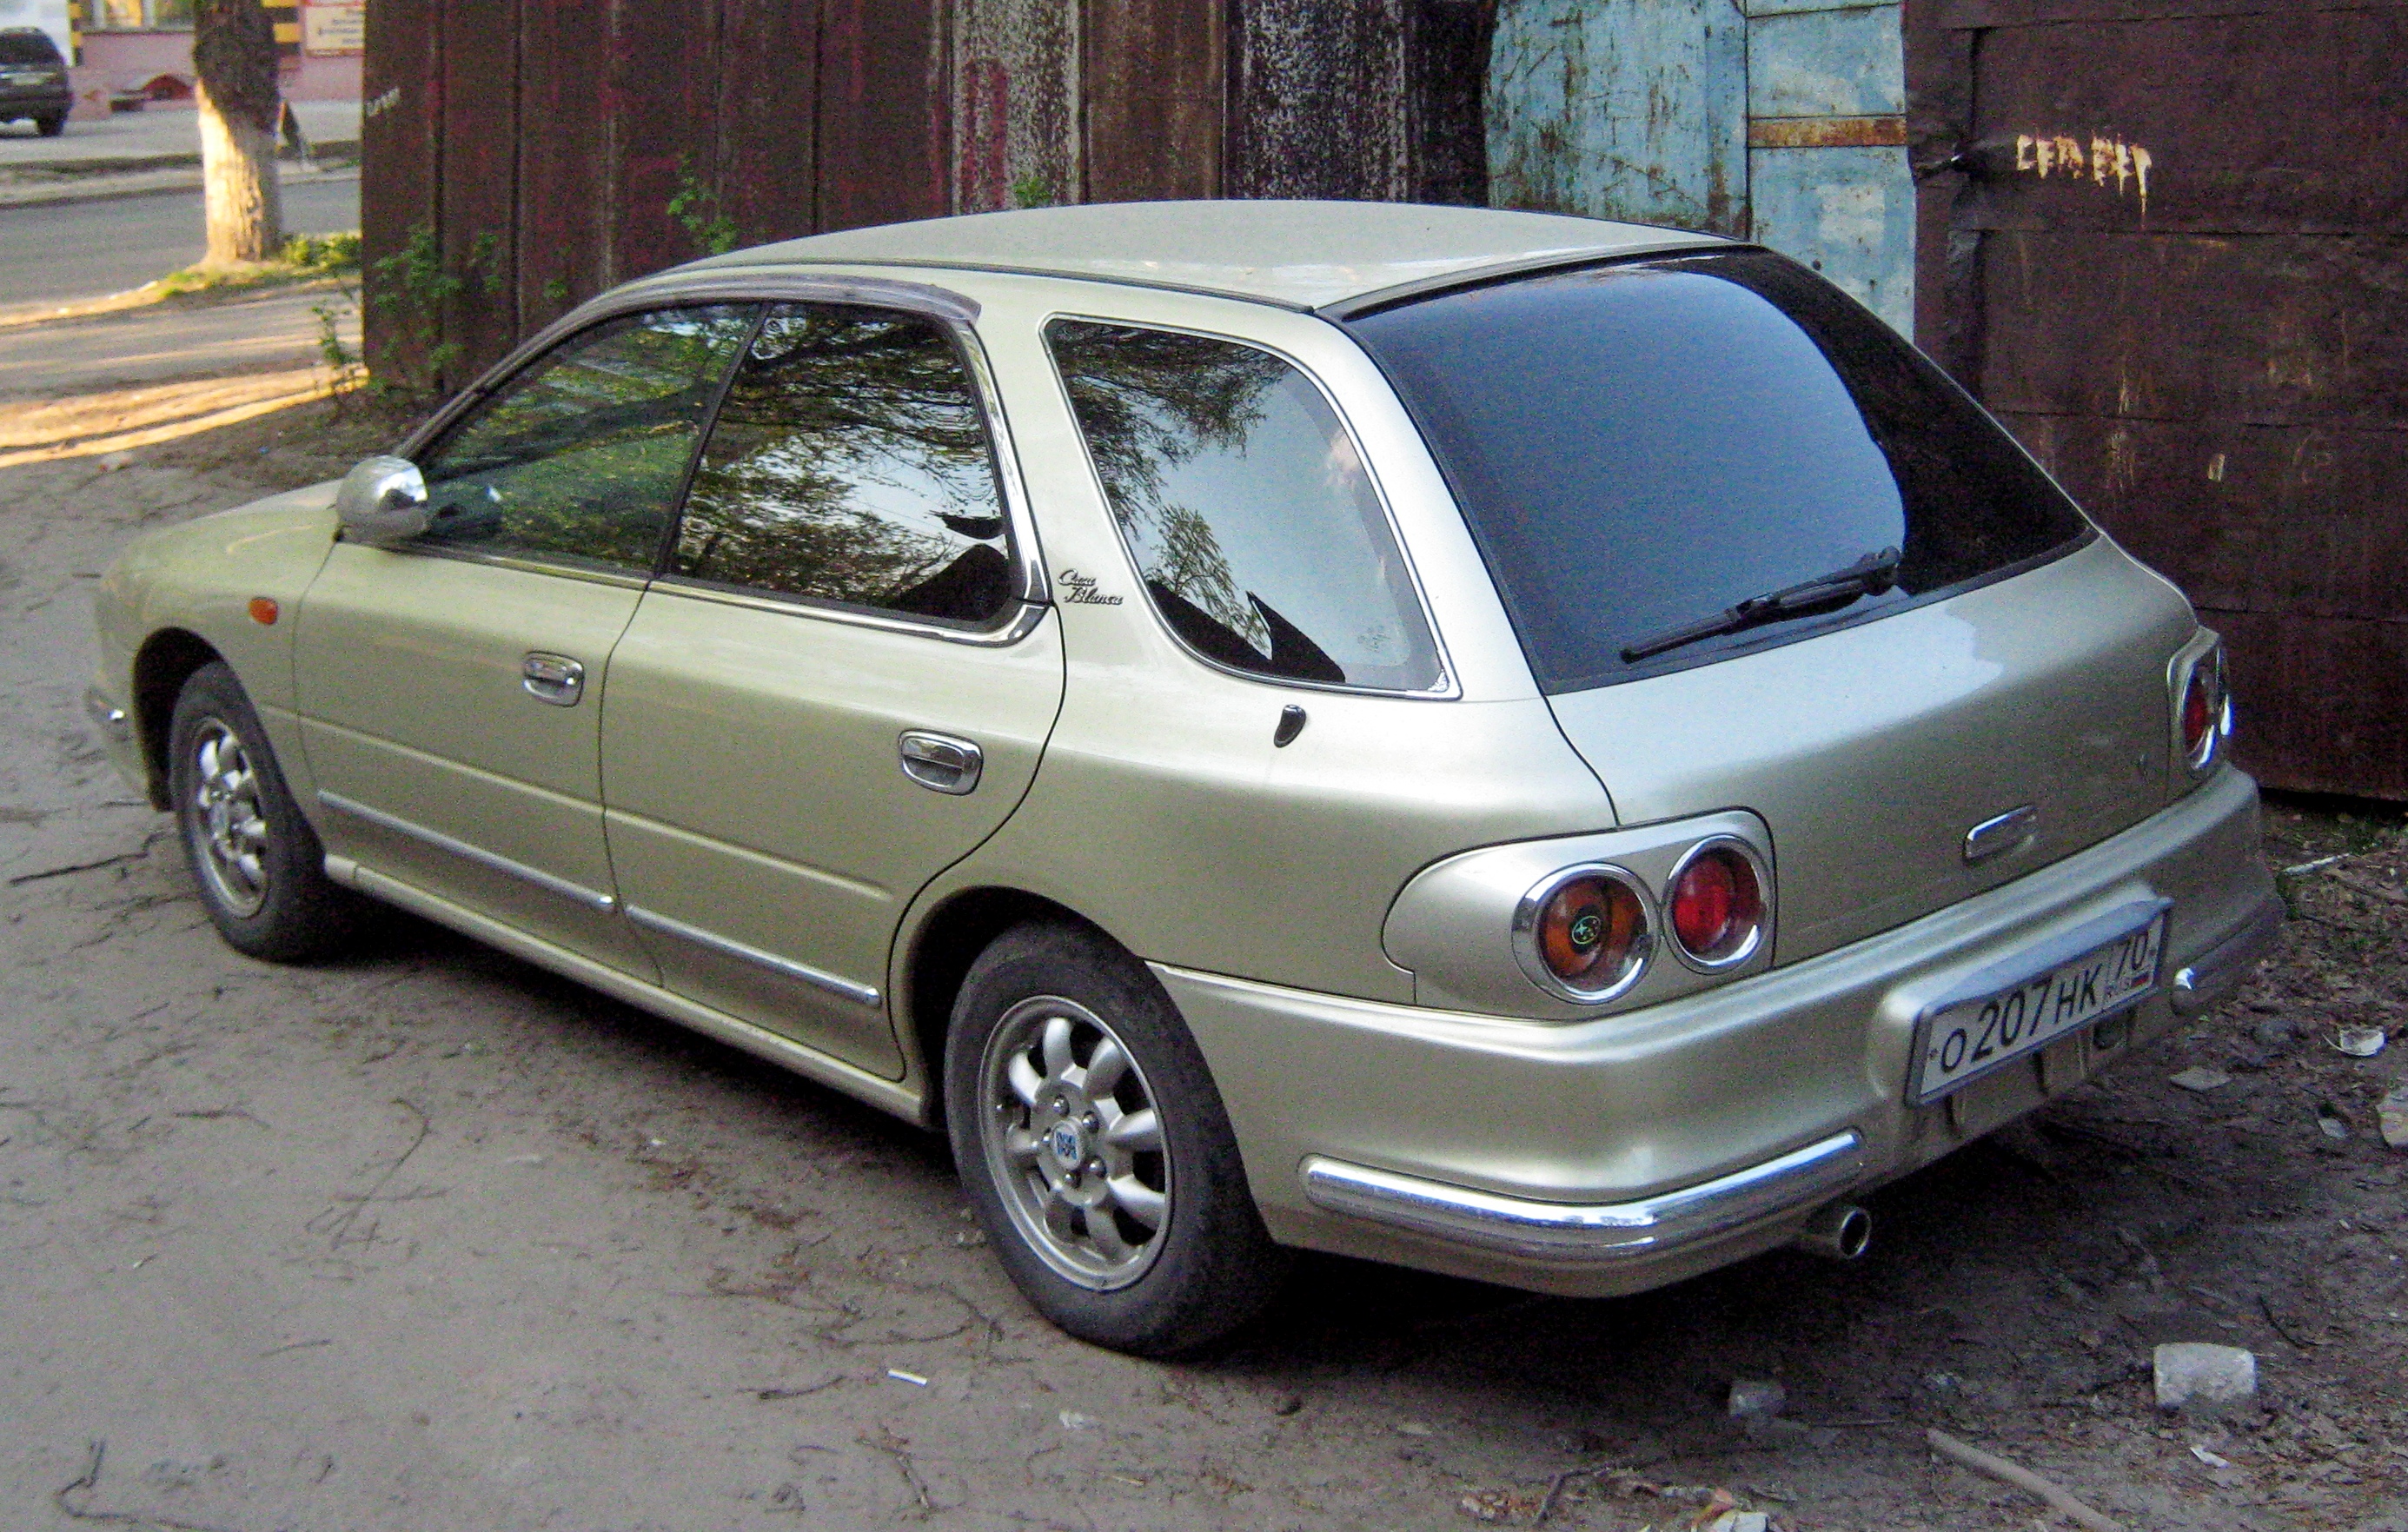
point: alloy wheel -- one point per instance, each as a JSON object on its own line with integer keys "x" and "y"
{"x": 227, "y": 824}
{"x": 1074, "y": 1140}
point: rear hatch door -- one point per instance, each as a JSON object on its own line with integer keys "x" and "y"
{"x": 1761, "y": 553}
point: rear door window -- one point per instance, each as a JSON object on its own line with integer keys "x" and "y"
{"x": 1258, "y": 531}
{"x": 851, "y": 465}
{"x": 1641, "y": 447}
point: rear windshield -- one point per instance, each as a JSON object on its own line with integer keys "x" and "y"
{"x": 28, "y": 48}
{"x": 1640, "y": 448}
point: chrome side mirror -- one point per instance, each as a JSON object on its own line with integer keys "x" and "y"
{"x": 382, "y": 502}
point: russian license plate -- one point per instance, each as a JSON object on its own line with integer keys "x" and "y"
{"x": 1961, "y": 1040}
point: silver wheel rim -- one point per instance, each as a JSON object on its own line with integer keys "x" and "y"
{"x": 1074, "y": 1142}
{"x": 228, "y": 828}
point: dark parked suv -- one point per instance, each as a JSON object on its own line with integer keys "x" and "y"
{"x": 34, "y": 81}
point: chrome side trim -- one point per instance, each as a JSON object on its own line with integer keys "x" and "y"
{"x": 436, "y": 838}
{"x": 106, "y": 716}
{"x": 904, "y": 1096}
{"x": 1023, "y": 621}
{"x": 683, "y": 287}
{"x": 1610, "y": 1231}
{"x": 2209, "y": 977}
{"x": 860, "y": 995}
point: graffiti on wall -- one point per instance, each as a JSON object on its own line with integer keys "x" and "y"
{"x": 2103, "y": 160}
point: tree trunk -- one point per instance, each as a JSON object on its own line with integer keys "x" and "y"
{"x": 233, "y": 53}
{"x": 243, "y": 201}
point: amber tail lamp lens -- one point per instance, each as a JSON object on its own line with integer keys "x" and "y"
{"x": 1591, "y": 934}
{"x": 1718, "y": 906}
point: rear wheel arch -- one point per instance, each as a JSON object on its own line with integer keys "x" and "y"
{"x": 948, "y": 941}
{"x": 167, "y": 660}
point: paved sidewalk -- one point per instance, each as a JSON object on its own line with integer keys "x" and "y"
{"x": 159, "y": 132}
{"x": 39, "y": 189}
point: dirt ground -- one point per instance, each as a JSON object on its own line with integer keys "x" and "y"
{"x": 426, "y": 1239}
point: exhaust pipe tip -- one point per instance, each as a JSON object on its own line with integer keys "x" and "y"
{"x": 1837, "y": 1231}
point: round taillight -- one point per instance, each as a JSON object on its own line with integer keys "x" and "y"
{"x": 2199, "y": 716}
{"x": 1590, "y": 932}
{"x": 1715, "y": 905}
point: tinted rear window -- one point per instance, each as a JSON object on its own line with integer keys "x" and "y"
{"x": 1640, "y": 446}
{"x": 25, "y": 48}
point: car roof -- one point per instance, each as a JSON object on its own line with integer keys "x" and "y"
{"x": 1307, "y": 255}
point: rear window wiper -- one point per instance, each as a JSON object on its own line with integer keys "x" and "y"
{"x": 1869, "y": 576}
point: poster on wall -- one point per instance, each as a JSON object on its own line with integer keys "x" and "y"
{"x": 333, "y": 28}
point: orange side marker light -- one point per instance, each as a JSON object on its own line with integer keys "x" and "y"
{"x": 263, "y": 611}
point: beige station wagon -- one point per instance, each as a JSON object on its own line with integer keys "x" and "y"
{"x": 1544, "y": 749}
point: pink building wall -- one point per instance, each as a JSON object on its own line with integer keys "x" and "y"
{"x": 117, "y": 61}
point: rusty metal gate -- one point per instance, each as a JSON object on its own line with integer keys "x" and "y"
{"x": 2170, "y": 249}
{"x": 1779, "y": 121}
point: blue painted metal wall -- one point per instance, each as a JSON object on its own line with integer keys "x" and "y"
{"x": 1780, "y": 120}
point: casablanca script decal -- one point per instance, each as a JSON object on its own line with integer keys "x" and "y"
{"x": 1083, "y": 592}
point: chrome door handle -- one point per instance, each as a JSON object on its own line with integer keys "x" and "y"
{"x": 940, "y": 761}
{"x": 556, "y": 678}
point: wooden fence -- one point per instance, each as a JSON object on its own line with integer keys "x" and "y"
{"x": 2167, "y": 240}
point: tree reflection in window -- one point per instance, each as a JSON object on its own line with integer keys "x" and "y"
{"x": 1256, "y": 529}
{"x": 580, "y": 457}
{"x": 850, "y": 464}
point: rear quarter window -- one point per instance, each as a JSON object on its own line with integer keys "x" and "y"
{"x": 1642, "y": 446}
{"x": 1260, "y": 537}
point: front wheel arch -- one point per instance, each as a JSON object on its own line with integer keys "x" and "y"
{"x": 167, "y": 660}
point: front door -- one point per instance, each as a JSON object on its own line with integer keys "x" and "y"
{"x": 836, "y": 689}
{"x": 449, "y": 688}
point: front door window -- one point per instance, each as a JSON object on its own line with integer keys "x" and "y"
{"x": 579, "y": 458}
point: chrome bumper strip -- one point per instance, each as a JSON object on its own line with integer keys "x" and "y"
{"x": 2209, "y": 977}
{"x": 106, "y": 716}
{"x": 1613, "y": 1231}
{"x": 465, "y": 852}
{"x": 860, "y": 995}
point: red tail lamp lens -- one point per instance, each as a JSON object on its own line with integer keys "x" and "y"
{"x": 1717, "y": 905}
{"x": 1590, "y": 933}
{"x": 2197, "y": 716}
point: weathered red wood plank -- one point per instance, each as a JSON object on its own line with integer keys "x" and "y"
{"x": 400, "y": 175}
{"x": 1155, "y": 74}
{"x": 768, "y": 118}
{"x": 884, "y": 126}
{"x": 564, "y": 194}
{"x": 1316, "y": 104}
{"x": 2322, "y": 702}
{"x": 479, "y": 156}
{"x": 2307, "y": 329}
{"x": 663, "y": 89}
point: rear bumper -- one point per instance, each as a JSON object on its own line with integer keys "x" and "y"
{"x": 45, "y": 102}
{"x": 1617, "y": 1154}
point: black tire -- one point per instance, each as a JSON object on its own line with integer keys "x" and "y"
{"x": 1209, "y": 1266}
{"x": 50, "y": 127}
{"x": 259, "y": 866}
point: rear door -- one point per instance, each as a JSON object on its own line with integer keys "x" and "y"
{"x": 839, "y": 685}
{"x": 444, "y": 685}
